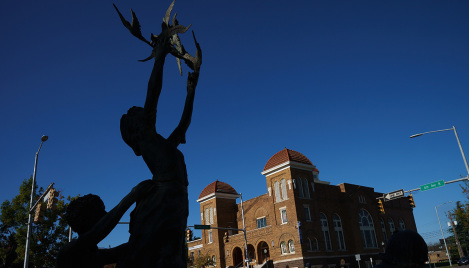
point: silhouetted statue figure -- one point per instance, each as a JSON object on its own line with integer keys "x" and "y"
{"x": 87, "y": 216}
{"x": 405, "y": 249}
{"x": 158, "y": 222}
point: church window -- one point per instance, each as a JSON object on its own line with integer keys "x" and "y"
{"x": 300, "y": 188}
{"x": 207, "y": 216}
{"x": 367, "y": 229}
{"x": 291, "y": 246}
{"x": 283, "y": 185}
{"x": 339, "y": 231}
{"x": 383, "y": 229}
{"x": 283, "y": 215}
{"x": 261, "y": 222}
{"x": 307, "y": 213}
{"x": 309, "y": 244}
{"x": 392, "y": 228}
{"x": 211, "y": 215}
{"x": 306, "y": 188}
{"x": 325, "y": 231}
{"x": 401, "y": 225}
{"x": 283, "y": 247}
{"x": 278, "y": 198}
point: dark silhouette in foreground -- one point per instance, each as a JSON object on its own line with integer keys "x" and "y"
{"x": 158, "y": 223}
{"x": 87, "y": 216}
{"x": 405, "y": 249}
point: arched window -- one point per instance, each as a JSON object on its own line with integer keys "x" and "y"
{"x": 339, "y": 231}
{"x": 325, "y": 231}
{"x": 392, "y": 228}
{"x": 367, "y": 229}
{"x": 383, "y": 229}
{"x": 306, "y": 188}
{"x": 211, "y": 215}
{"x": 283, "y": 247}
{"x": 401, "y": 225}
{"x": 300, "y": 187}
{"x": 214, "y": 260}
{"x": 291, "y": 247}
{"x": 207, "y": 216}
{"x": 283, "y": 185}
{"x": 277, "y": 192}
{"x": 315, "y": 245}
{"x": 309, "y": 244}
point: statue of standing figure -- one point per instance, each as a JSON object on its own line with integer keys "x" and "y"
{"x": 158, "y": 222}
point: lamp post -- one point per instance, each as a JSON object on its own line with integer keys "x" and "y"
{"x": 442, "y": 234}
{"x": 244, "y": 228}
{"x": 28, "y": 234}
{"x": 457, "y": 138}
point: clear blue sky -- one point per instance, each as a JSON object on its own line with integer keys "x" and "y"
{"x": 343, "y": 82}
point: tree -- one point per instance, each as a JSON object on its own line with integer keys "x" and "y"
{"x": 203, "y": 261}
{"x": 47, "y": 237}
{"x": 461, "y": 214}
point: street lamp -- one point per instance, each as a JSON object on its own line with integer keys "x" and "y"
{"x": 457, "y": 138}
{"x": 244, "y": 231}
{"x": 28, "y": 234}
{"x": 442, "y": 234}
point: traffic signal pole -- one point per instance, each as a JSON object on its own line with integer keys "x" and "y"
{"x": 446, "y": 182}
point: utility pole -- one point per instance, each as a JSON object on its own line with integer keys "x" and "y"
{"x": 461, "y": 253}
{"x": 246, "y": 261}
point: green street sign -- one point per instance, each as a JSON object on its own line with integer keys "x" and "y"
{"x": 203, "y": 227}
{"x": 432, "y": 185}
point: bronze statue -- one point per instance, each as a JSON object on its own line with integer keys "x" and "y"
{"x": 87, "y": 216}
{"x": 158, "y": 222}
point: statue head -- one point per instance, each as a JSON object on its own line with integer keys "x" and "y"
{"x": 84, "y": 212}
{"x": 132, "y": 127}
{"x": 406, "y": 249}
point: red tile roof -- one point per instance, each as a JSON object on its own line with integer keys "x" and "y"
{"x": 219, "y": 187}
{"x": 286, "y": 155}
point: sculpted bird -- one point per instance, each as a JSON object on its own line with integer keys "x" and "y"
{"x": 167, "y": 31}
{"x": 134, "y": 27}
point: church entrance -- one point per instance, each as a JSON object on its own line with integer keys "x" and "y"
{"x": 237, "y": 257}
{"x": 263, "y": 253}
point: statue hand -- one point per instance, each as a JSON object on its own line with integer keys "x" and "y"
{"x": 161, "y": 47}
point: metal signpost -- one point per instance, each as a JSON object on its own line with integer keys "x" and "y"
{"x": 357, "y": 258}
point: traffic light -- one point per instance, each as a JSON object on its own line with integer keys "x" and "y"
{"x": 411, "y": 201}
{"x": 227, "y": 237}
{"x": 189, "y": 234}
{"x": 381, "y": 207}
{"x": 39, "y": 215}
{"x": 52, "y": 202}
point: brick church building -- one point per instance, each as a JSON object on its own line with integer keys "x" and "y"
{"x": 300, "y": 222}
